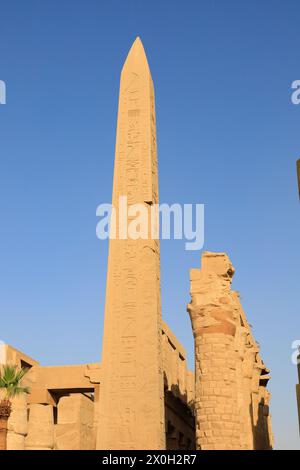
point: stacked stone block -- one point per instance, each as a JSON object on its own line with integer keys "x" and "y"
{"x": 40, "y": 428}
{"x": 231, "y": 399}
{"x": 75, "y": 423}
{"x": 216, "y": 398}
{"x": 17, "y": 425}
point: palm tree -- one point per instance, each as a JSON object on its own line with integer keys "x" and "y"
{"x": 10, "y": 386}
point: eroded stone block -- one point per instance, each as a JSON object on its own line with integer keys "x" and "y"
{"x": 40, "y": 427}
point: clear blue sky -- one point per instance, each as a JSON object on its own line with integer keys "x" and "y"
{"x": 228, "y": 137}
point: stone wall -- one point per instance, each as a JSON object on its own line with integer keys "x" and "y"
{"x": 40, "y": 428}
{"x": 180, "y": 424}
{"x": 177, "y": 378}
{"x": 179, "y": 394}
{"x": 75, "y": 423}
{"x": 231, "y": 399}
{"x": 67, "y": 426}
{"x": 60, "y": 413}
{"x": 17, "y": 424}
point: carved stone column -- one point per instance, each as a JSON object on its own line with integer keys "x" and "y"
{"x": 212, "y": 312}
{"x": 231, "y": 399}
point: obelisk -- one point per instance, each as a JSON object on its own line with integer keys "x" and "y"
{"x": 131, "y": 390}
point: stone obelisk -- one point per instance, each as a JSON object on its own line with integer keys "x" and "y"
{"x": 131, "y": 391}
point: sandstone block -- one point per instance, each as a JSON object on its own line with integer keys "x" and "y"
{"x": 17, "y": 421}
{"x": 15, "y": 441}
{"x": 75, "y": 420}
{"x": 40, "y": 427}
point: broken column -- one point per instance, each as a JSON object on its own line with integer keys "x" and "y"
{"x": 230, "y": 375}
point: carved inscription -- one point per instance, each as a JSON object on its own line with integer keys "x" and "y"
{"x": 131, "y": 398}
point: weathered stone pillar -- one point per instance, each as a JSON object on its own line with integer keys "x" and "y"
{"x": 231, "y": 400}
{"x": 212, "y": 315}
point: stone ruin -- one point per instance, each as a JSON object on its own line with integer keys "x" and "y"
{"x": 231, "y": 398}
{"x": 61, "y": 411}
{"x": 142, "y": 395}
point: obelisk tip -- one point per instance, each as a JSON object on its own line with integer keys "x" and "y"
{"x": 136, "y": 56}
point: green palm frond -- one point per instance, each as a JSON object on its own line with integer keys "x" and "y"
{"x": 10, "y": 380}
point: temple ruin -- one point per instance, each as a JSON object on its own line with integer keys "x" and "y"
{"x": 62, "y": 410}
{"x": 231, "y": 399}
{"x": 142, "y": 394}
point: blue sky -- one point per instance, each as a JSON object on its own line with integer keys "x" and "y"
{"x": 228, "y": 137}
